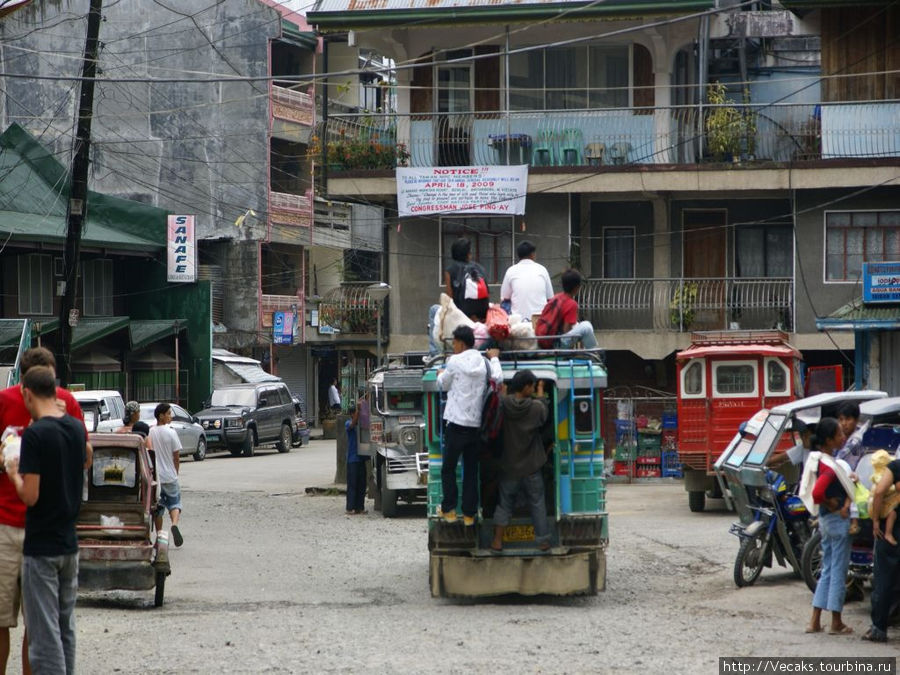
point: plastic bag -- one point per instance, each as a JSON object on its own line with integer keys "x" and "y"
{"x": 497, "y": 322}
{"x": 861, "y": 499}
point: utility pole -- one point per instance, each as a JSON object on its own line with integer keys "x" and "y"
{"x": 76, "y": 210}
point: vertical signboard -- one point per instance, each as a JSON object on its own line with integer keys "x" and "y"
{"x": 283, "y": 328}
{"x": 181, "y": 250}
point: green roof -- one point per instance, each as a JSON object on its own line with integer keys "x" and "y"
{"x": 34, "y": 188}
{"x": 144, "y": 333}
{"x": 857, "y": 315}
{"x": 290, "y": 32}
{"x": 91, "y": 330}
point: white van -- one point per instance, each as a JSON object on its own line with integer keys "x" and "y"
{"x": 104, "y": 410}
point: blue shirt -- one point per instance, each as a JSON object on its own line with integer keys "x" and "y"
{"x": 352, "y": 445}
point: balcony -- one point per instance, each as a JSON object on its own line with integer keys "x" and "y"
{"x": 682, "y": 305}
{"x": 683, "y": 135}
{"x": 269, "y": 304}
{"x": 349, "y": 312}
{"x": 290, "y": 209}
{"x": 293, "y": 105}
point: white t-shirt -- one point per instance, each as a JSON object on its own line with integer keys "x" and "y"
{"x": 798, "y": 455}
{"x": 334, "y": 397}
{"x": 165, "y": 443}
{"x": 527, "y": 286}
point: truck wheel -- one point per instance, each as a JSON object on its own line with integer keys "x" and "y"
{"x": 160, "y": 593}
{"x": 249, "y": 446}
{"x": 696, "y": 500}
{"x": 388, "y": 500}
{"x": 284, "y": 439}
{"x": 236, "y": 450}
{"x": 811, "y": 560}
{"x": 750, "y": 560}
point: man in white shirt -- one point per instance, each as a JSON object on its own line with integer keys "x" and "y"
{"x": 526, "y": 284}
{"x": 334, "y": 396}
{"x": 464, "y": 379}
{"x": 167, "y": 446}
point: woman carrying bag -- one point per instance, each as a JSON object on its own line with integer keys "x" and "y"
{"x": 826, "y": 489}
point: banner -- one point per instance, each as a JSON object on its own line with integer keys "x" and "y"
{"x": 447, "y": 190}
{"x": 881, "y": 282}
{"x": 181, "y": 250}
{"x": 283, "y": 328}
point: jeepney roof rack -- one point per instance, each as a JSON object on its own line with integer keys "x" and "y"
{"x": 597, "y": 355}
{"x": 407, "y": 359}
{"x": 734, "y": 337}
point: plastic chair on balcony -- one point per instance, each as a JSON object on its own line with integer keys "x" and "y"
{"x": 618, "y": 153}
{"x": 594, "y": 153}
{"x": 544, "y": 153}
{"x": 571, "y": 142}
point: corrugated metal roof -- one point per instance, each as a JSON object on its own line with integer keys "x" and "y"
{"x": 346, "y": 14}
{"x": 144, "y": 333}
{"x": 857, "y": 315}
{"x": 251, "y": 374}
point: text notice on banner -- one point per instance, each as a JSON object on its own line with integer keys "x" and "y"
{"x": 494, "y": 190}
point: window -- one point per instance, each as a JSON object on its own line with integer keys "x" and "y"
{"x": 692, "y": 384}
{"x": 852, "y": 238}
{"x": 35, "y": 284}
{"x": 765, "y": 251}
{"x": 618, "y": 252}
{"x": 735, "y": 378}
{"x": 492, "y": 243}
{"x": 97, "y": 276}
{"x": 567, "y": 78}
{"x": 777, "y": 378}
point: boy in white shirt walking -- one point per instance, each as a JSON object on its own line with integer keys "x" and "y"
{"x": 167, "y": 446}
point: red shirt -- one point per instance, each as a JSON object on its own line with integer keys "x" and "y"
{"x": 568, "y": 309}
{"x": 827, "y": 485}
{"x": 13, "y": 413}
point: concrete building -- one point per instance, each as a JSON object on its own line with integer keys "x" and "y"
{"x": 706, "y": 165}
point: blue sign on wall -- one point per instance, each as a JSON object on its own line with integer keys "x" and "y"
{"x": 881, "y": 282}
{"x": 283, "y": 328}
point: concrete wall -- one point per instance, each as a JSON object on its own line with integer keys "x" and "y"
{"x": 326, "y": 267}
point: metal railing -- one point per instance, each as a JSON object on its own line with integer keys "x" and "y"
{"x": 292, "y": 105}
{"x": 683, "y": 304}
{"x": 621, "y": 136}
{"x": 269, "y": 304}
{"x": 291, "y": 209}
{"x": 349, "y": 308}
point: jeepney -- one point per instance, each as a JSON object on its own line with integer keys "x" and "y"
{"x": 397, "y": 431}
{"x": 461, "y": 562}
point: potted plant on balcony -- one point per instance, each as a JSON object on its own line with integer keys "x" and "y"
{"x": 681, "y": 308}
{"x": 730, "y": 133}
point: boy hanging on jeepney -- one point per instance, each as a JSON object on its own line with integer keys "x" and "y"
{"x": 523, "y": 457}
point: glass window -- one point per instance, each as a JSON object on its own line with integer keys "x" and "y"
{"x": 404, "y": 401}
{"x": 693, "y": 379}
{"x": 735, "y": 378}
{"x": 618, "y": 252}
{"x": 767, "y": 439}
{"x": 35, "y": 284}
{"x": 852, "y": 238}
{"x": 765, "y": 251}
{"x": 97, "y": 278}
{"x": 526, "y": 80}
{"x": 491, "y": 239}
{"x": 245, "y": 398}
{"x": 608, "y": 77}
{"x": 776, "y": 377}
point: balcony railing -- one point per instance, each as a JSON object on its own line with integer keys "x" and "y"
{"x": 349, "y": 309}
{"x": 290, "y": 209}
{"x": 292, "y": 105}
{"x": 621, "y": 136}
{"x": 270, "y": 304}
{"x": 682, "y": 304}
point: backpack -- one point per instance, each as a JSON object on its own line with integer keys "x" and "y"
{"x": 491, "y": 413}
{"x": 550, "y": 321}
{"x": 472, "y": 283}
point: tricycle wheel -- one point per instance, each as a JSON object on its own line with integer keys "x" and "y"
{"x": 750, "y": 560}
{"x": 696, "y": 501}
{"x": 284, "y": 439}
{"x": 160, "y": 589}
{"x": 811, "y": 560}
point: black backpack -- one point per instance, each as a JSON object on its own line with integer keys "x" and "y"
{"x": 491, "y": 414}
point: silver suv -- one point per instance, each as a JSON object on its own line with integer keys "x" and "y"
{"x": 244, "y": 416}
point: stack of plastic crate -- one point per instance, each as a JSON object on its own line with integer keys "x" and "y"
{"x": 648, "y": 464}
{"x": 671, "y": 467}
{"x": 625, "y": 448}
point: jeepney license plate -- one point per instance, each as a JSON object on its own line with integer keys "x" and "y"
{"x": 212, "y": 437}
{"x": 407, "y": 419}
{"x": 519, "y": 533}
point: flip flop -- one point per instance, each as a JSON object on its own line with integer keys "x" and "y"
{"x": 843, "y": 630}
{"x": 813, "y": 630}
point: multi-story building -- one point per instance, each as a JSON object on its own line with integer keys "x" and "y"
{"x": 706, "y": 165}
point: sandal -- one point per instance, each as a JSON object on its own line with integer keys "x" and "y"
{"x": 872, "y": 636}
{"x": 843, "y": 630}
{"x": 810, "y": 629}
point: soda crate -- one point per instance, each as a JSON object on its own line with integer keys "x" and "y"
{"x": 649, "y": 442}
{"x": 669, "y": 439}
{"x": 621, "y": 469}
{"x": 649, "y": 460}
{"x": 625, "y": 453}
{"x": 648, "y": 472}
{"x": 671, "y": 467}
{"x": 624, "y": 428}
{"x": 670, "y": 420}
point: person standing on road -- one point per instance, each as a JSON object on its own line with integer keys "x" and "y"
{"x": 334, "y": 396}
{"x": 852, "y": 450}
{"x": 887, "y": 558}
{"x": 526, "y": 284}
{"x": 167, "y": 446}
{"x": 13, "y": 413}
{"x": 49, "y": 479}
{"x": 523, "y": 457}
{"x": 464, "y": 380}
{"x": 356, "y": 468}
{"x": 833, "y": 499}
{"x": 132, "y": 415}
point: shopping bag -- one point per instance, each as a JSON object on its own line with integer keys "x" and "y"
{"x": 497, "y": 322}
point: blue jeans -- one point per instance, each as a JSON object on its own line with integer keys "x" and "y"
{"x": 49, "y": 587}
{"x": 835, "y": 560}
{"x": 533, "y": 487}
{"x": 584, "y": 331}
{"x": 356, "y": 486}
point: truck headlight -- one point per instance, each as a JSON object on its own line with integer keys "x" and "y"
{"x": 235, "y": 423}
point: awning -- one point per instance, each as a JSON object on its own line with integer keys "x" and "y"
{"x": 858, "y": 316}
{"x": 144, "y": 333}
{"x": 243, "y": 367}
{"x": 154, "y": 358}
{"x": 91, "y": 330}
{"x": 291, "y": 33}
{"x": 95, "y": 360}
{"x": 11, "y": 332}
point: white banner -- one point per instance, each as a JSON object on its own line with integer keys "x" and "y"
{"x": 434, "y": 190}
{"x": 181, "y": 250}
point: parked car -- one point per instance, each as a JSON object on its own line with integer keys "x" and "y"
{"x": 244, "y": 416}
{"x": 104, "y": 410}
{"x": 190, "y": 433}
{"x": 301, "y": 426}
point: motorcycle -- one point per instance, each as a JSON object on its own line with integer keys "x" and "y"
{"x": 780, "y": 528}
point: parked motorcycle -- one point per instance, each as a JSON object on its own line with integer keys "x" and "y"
{"x": 780, "y": 529}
